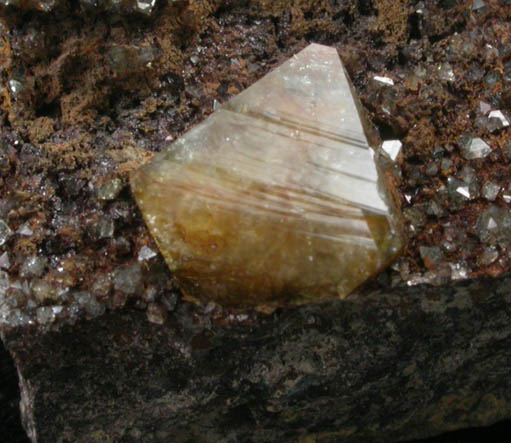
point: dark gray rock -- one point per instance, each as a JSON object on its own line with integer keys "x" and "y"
{"x": 375, "y": 367}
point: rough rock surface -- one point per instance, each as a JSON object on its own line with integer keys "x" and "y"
{"x": 11, "y": 429}
{"x": 87, "y": 94}
{"x": 379, "y": 367}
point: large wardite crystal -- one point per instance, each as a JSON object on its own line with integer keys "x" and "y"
{"x": 275, "y": 199}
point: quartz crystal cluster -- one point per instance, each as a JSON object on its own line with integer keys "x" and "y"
{"x": 276, "y": 198}
{"x": 145, "y": 7}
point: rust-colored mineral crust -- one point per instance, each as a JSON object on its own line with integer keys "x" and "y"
{"x": 274, "y": 199}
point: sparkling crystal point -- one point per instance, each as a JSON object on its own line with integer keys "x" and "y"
{"x": 276, "y": 198}
{"x": 472, "y": 148}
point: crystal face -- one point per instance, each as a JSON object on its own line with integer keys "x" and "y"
{"x": 275, "y": 199}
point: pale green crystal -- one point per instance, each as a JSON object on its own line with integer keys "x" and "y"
{"x": 275, "y": 198}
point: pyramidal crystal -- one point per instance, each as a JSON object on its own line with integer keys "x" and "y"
{"x": 275, "y": 199}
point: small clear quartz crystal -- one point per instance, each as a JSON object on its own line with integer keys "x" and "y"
{"x": 276, "y": 198}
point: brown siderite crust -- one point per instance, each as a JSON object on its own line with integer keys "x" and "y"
{"x": 88, "y": 94}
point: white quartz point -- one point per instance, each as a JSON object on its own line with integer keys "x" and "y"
{"x": 392, "y": 148}
{"x": 384, "y": 80}
{"x": 475, "y": 148}
{"x": 498, "y": 114}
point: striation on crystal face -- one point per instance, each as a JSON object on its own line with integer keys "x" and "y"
{"x": 276, "y": 198}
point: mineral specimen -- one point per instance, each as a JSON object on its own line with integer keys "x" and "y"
{"x": 392, "y": 148}
{"x": 472, "y": 148}
{"x": 275, "y": 198}
{"x": 145, "y": 7}
{"x": 5, "y": 232}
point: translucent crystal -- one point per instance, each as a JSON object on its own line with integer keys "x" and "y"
{"x": 484, "y": 107}
{"x": 490, "y": 224}
{"x": 392, "y": 148}
{"x": 275, "y": 198}
{"x": 490, "y": 191}
{"x": 145, "y": 6}
{"x": 4, "y": 284}
{"x": 25, "y": 230}
{"x": 479, "y": 6}
{"x": 459, "y": 271}
{"x": 47, "y": 314}
{"x": 156, "y": 313}
{"x": 416, "y": 217}
{"x": 457, "y": 188}
{"x": 5, "y": 263}
{"x": 43, "y": 291}
{"x": 92, "y": 307}
{"x": 469, "y": 175}
{"x": 445, "y": 72}
{"x": 33, "y": 267}
{"x": 146, "y": 253}
{"x": 488, "y": 256}
{"x": 435, "y": 209}
{"x": 105, "y": 227}
{"x": 128, "y": 279}
{"x": 110, "y": 189}
{"x": 472, "y": 148}
{"x": 384, "y": 80}
{"x": 500, "y": 116}
{"x": 16, "y": 87}
{"x": 5, "y": 232}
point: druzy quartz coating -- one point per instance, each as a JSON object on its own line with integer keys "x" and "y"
{"x": 275, "y": 199}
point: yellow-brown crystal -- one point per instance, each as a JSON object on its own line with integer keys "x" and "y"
{"x": 274, "y": 199}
